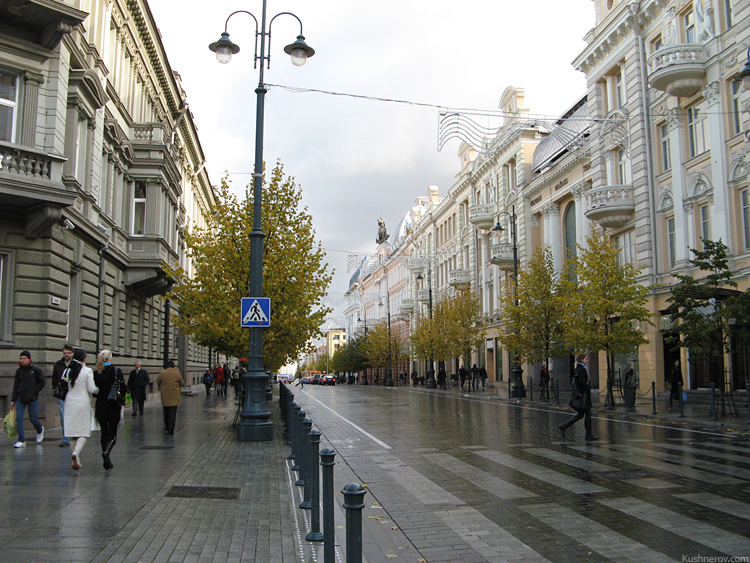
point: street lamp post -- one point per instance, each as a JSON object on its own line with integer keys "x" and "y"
{"x": 389, "y": 373}
{"x": 431, "y": 384}
{"x": 517, "y": 389}
{"x": 255, "y": 424}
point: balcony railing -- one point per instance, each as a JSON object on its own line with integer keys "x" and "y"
{"x": 502, "y": 256}
{"x": 459, "y": 278}
{"x": 482, "y": 215}
{"x": 423, "y": 295}
{"x": 407, "y": 305}
{"x": 29, "y": 162}
{"x": 610, "y": 206}
{"x": 679, "y": 70}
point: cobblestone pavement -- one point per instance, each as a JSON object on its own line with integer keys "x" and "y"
{"x": 471, "y": 478}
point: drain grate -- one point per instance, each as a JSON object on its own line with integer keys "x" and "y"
{"x": 628, "y": 474}
{"x": 157, "y": 447}
{"x": 227, "y": 493}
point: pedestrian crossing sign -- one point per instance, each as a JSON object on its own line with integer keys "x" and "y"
{"x": 255, "y": 312}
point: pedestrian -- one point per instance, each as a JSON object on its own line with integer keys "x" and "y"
{"x": 581, "y": 400}
{"x": 27, "y": 384}
{"x": 483, "y": 375}
{"x": 79, "y": 416}
{"x": 218, "y": 379}
{"x": 57, "y": 371}
{"x": 170, "y": 381}
{"x": 544, "y": 383}
{"x": 207, "y": 380}
{"x": 414, "y": 378}
{"x": 629, "y": 386}
{"x": 475, "y": 377}
{"x": 675, "y": 380}
{"x": 300, "y": 382}
{"x": 463, "y": 373}
{"x": 138, "y": 380}
{"x": 237, "y": 374}
{"x": 225, "y": 382}
{"x": 441, "y": 378}
{"x": 108, "y": 413}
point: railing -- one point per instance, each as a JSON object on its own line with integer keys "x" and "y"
{"x": 27, "y": 161}
{"x": 502, "y": 255}
{"x": 611, "y": 206}
{"x": 459, "y": 277}
{"x": 482, "y": 215}
{"x": 678, "y": 69}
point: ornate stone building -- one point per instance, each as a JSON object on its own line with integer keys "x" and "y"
{"x": 101, "y": 174}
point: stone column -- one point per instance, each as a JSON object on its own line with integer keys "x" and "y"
{"x": 720, "y": 210}
{"x": 679, "y": 187}
{"x": 552, "y": 234}
{"x": 32, "y": 82}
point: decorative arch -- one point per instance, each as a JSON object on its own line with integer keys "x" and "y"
{"x": 700, "y": 185}
{"x": 666, "y": 202}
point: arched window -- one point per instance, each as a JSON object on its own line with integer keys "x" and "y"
{"x": 569, "y": 224}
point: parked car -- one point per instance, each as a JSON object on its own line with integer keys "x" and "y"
{"x": 328, "y": 379}
{"x": 305, "y": 380}
{"x": 284, "y": 378}
{"x": 316, "y": 379}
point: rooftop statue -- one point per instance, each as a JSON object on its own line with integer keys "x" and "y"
{"x": 382, "y": 233}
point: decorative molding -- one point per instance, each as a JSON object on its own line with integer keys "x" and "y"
{"x": 711, "y": 93}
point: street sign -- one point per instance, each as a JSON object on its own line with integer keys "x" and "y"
{"x": 255, "y": 312}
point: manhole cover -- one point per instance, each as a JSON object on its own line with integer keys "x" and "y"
{"x": 227, "y": 493}
{"x": 157, "y": 447}
{"x": 628, "y": 474}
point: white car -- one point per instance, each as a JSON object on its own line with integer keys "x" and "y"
{"x": 284, "y": 378}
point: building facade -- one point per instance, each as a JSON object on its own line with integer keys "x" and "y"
{"x": 101, "y": 175}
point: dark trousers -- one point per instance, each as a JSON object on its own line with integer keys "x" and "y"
{"x": 170, "y": 417}
{"x": 108, "y": 420}
{"x": 586, "y": 415}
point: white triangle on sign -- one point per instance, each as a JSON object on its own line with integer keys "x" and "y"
{"x": 255, "y": 314}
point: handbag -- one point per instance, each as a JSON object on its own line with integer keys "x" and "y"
{"x": 9, "y": 424}
{"x": 61, "y": 389}
{"x": 576, "y": 401}
{"x": 117, "y": 391}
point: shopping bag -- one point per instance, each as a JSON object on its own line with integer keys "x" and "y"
{"x": 684, "y": 397}
{"x": 128, "y": 399}
{"x": 9, "y": 424}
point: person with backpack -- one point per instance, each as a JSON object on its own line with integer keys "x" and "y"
{"x": 207, "y": 381}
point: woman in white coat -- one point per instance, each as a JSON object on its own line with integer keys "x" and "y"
{"x": 79, "y": 416}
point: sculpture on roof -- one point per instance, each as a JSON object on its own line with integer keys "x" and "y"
{"x": 382, "y": 233}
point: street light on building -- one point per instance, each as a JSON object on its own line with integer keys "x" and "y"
{"x": 255, "y": 424}
{"x": 431, "y": 384}
{"x": 517, "y": 389}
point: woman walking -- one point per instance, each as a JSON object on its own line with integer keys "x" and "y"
{"x": 108, "y": 413}
{"x": 79, "y": 416}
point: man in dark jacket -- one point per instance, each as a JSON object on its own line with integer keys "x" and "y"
{"x": 675, "y": 380}
{"x": 137, "y": 383}
{"x": 581, "y": 389}
{"x": 29, "y": 381}
{"x": 57, "y": 371}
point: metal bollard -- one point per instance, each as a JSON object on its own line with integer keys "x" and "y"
{"x": 653, "y": 397}
{"x": 286, "y": 411}
{"x": 531, "y": 388}
{"x": 354, "y": 494}
{"x": 509, "y": 388}
{"x": 292, "y": 425}
{"x": 305, "y": 465}
{"x": 682, "y": 403}
{"x": 557, "y": 390}
{"x": 314, "y": 534}
{"x": 327, "y": 456}
{"x": 713, "y": 401}
{"x": 301, "y": 415}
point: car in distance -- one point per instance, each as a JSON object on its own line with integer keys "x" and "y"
{"x": 328, "y": 379}
{"x": 316, "y": 379}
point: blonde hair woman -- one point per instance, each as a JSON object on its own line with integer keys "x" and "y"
{"x": 79, "y": 416}
{"x": 108, "y": 413}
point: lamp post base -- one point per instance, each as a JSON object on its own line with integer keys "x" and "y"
{"x": 431, "y": 383}
{"x": 255, "y": 424}
{"x": 518, "y": 390}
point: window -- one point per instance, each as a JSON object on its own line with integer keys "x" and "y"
{"x": 571, "y": 251}
{"x": 729, "y": 13}
{"x": 736, "y": 125}
{"x": 656, "y": 44}
{"x": 704, "y": 215}
{"x": 745, "y": 201}
{"x": 139, "y": 209}
{"x": 622, "y": 167}
{"x": 688, "y": 25}
{"x": 619, "y": 90}
{"x": 6, "y": 295}
{"x": 625, "y": 244}
{"x": 671, "y": 241}
{"x": 8, "y": 105}
{"x": 666, "y": 148}
{"x": 697, "y": 133}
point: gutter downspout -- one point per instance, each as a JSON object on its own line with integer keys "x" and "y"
{"x": 641, "y": 48}
{"x": 100, "y": 298}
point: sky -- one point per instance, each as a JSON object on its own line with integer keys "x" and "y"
{"x": 356, "y": 158}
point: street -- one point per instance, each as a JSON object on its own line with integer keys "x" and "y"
{"x": 474, "y": 478}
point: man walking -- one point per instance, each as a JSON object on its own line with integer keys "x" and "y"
{"x": 29, "y": 381}
{"x": 57, "y": 371}
{"x": 581, "y": 398}
{"x": 169, "y": 382}
{"x": 137, "y": 383}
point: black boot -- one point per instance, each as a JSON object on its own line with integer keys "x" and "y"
{"x": 105, "y": 455}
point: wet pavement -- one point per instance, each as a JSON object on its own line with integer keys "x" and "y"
{"x": 475, "y": 477}
{"x": 451, "y": 476}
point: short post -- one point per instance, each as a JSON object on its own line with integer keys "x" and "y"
{"x": 609, "y": 402}
{"x": 291, "y": 423}
{"x": 327, "y": 456}
{"x": 287, "y": 411}
{"x": 306, "y": 462}
{"x": 300, "y": 461}
{"x": 531, "y": 388}
{"x": 509, "y": 388}
{"x": 682, "y": 403}
{"x": 314, "y": 477}
{"x": 354, "y": 494}
{"x": 557, "y": 390}
{"x": 653, "y": 397}
{"x": 713, "y": 401}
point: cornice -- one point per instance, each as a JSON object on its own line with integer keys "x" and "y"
{"x": 544, "y": 180}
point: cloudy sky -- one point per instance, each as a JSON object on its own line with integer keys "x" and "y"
{"x": 357, "y": 158}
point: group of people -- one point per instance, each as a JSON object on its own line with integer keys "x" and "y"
{"x": 76, "y": 384}
{"x": 470, "y": 380}
{"x": 220, "y": 377}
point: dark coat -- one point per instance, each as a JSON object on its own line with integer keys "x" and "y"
{"x": 104, "y": 408}
{"x": 675, "y": 376}
{"x": 29, "y": 381}
{"x": 581, "y": 377}
{"x": 137, "y": 383}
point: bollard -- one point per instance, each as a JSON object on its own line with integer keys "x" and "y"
{"x": 286, "y": 411}
{"x": 653, "y": 397}
{"x": 682, "y": 403}
{"x": 557, "y": 390}
{"x": 306, "y": 462}
{"x": 509, "y": 388}
{"x": 295, "y": 436}
{"x": 299, "y": 462}
{"x": 354, "y": 494}
{"x": 291, "y": 418}
{"x": 327, "y": 456}
{"x": 531, "y": 388}
{"x": 713, "y": 401}
{"x": 314, "y": 478}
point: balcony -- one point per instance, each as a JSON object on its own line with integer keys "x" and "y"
{"x": 423, "y": 295}
{"x": 407, "y": 305}
{"x": 611, "y": 206}
{"x": 459, "y": 278}
{"x": 482, "y": 216}
{"x": 679, "y": 70}
{"x": 502, "y": 256}
{"x": 144, "y": 272}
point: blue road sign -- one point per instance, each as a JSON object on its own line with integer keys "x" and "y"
{"x": 255, "y": 311}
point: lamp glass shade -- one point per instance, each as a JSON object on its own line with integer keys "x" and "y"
{"x": 746, "y": 82}
{"x": 223, "y": 54}
{"x": 299, "y": 57}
